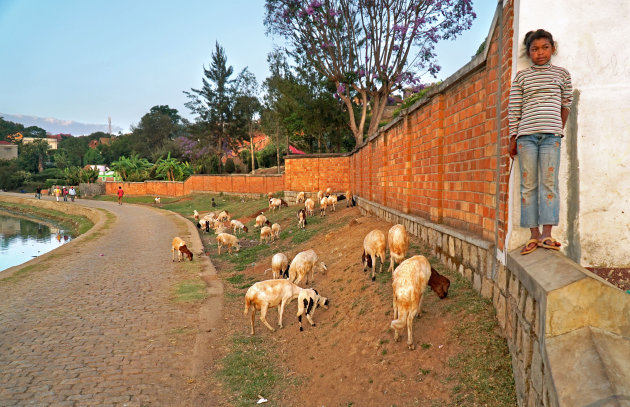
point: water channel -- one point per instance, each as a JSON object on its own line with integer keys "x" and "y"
{"x": 23, "y": 239}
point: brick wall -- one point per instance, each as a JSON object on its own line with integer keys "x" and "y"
{"x": 311, "y": 173}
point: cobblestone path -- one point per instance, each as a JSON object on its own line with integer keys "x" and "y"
{"x": 98, "y": 328}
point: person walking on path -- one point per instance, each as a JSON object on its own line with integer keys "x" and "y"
{"x": 72, "y": 193}
{"x": 120, "y": 195}
{"x": 38, "y": 192}
{"x": 540, "y": 101}
{"x": 64, "y": 192}
{"x": 57, "y": 192}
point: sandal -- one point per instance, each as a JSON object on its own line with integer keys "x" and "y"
{"x": 550, "y": 243}
{"x": 530, "y": 242}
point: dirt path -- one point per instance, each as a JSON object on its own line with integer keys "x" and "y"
{"x": 100, "y": 327}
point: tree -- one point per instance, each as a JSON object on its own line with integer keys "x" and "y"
{"x": 171, "y": 169}
{"x": 368, "y": 48}
{"x": 76, "y": 148}
{"x": 32, "y": 155}
{"x": 133, "y": 168}
{"x": 154, "y": 134}
{"x": 247, "y": 106}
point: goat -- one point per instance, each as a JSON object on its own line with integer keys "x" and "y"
{"x": 261, "y": 220}
{"x": 398, "y": 243}
{"x": 224, "y": 216}
{"x": 179, "y": 246}
{"x": 195, "y": 214}
{"x": 204, "y": 225}
{"x": 309, "y": 205}
{"x": 331, "y": 201}
{"x": 279, "y": 266}
{"x": 299, "y": 198}
{"x": 409, "y": 281}
{"x": 308, "y": 300}
{"x": 268, "y": 294}
{"x": 301, "y": 215}
{"x": 322, "y": 206}
{"x": 373, "y": 247}
{"x": 302, "y": 263}
{"x": 439, "y": 284}
{"x": 238, "y": 225}
{"x": 265, "y": 234}
{"x": 275, "y": 231}
{"x": 229, "y": 241}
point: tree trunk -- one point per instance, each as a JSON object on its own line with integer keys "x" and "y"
{"x": 40, "y": 164}
{"x": 251, "y": 145}
{"x": 278, "y": 148}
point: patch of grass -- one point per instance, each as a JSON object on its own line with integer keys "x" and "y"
{"x": 426, "y": 346}
{"x": 190, "y": 291}
{"x": 75, "y": 224}
{"x": 248, "y": 371}
{"x": 236, "y": 279}
{"x": 185, "y": 330}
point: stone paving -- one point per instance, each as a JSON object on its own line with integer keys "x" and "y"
{"x": 99, "y": 328}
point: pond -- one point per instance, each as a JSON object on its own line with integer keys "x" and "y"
{"x": 23, "y": 239}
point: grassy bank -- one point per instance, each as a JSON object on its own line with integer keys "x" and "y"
{"x": 75, "y": 224}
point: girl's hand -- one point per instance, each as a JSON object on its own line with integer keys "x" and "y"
{"x": 512, "y": 150}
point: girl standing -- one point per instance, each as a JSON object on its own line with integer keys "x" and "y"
{"x": 540, "y": 101}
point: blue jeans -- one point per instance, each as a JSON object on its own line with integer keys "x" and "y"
{"x": 539, "y": 159}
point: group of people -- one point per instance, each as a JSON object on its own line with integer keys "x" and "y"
{"x": 60, "y": 192}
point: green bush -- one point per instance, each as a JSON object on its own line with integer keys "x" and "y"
{"x": 229, "y": 166}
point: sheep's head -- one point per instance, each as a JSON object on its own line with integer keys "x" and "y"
{"x": 321, "y": 267}
{"x": 245, "y": 229}
{"x": 186, "y": 252}
{"x": 439, "y": 284}
{"x": 367, "y": 261}
{"x": 321, "y": 301}
{"x": 238, "y": 246}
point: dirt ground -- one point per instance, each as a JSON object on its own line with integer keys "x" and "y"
{"x": 349, "y": 357}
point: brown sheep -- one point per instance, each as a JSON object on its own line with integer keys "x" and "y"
{"x": 373, "y": 247}
{"x": 179, "y": 246}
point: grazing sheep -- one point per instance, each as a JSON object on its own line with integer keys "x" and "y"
{"x": 265, "y": 234}
{"x": 409, "y": 281}
{"x": 269, "y": 195}
{"x": 308, "y": 300}
{"x": 195, "y": 214}
{"x": 331, "y": 201}
{"x": 157, "y": 200}
{"x": 302, "y": 263}
{"x": 261, "y": 220}
{"x": 220, "y": 229}
{"x": 439, "y": 284}
{"x": 204, "y": 225}
{"x": 224, "y": 216}
{"x": 301, "y": 215}
{"x": 274, "y": 203}
{"x": 373, "y": 247}
{"x": 322, "y": 206}
{"x": 179, "y": 246}
{"x": 398, "y": 243}
{"x": 268, "y": 294}
{"x": 309, "y": 204}
{"x": 279, "y": 266}
{"x": 275, "y": 231}
{"x": 210, "y": 216}
{"x": 328, "y": 191}
{"x": 320, "y": 195}
{"x": 229, "y": 241}
{"x": 238, "y": 225}
{"x": 299, "y": 198}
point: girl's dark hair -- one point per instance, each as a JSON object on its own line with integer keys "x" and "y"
{"x": 534, "y": 35}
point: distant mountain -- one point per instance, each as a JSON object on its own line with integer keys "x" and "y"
{"x": 56, "y": 126}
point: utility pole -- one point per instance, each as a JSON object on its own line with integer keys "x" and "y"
{"x": 109, "y": 120}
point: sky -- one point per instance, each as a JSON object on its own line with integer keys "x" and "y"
{"x": 85, "y": 61}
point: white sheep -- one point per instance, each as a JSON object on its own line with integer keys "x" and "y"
{"x": 398, "y": 243}
{"x": 238, "y": 225}
{"x": 331, "y": 201}
{"x": 299, "y": 198}
{"x": 210, "y": 216}
{"x": 308, "y": 300}
{"x": 229, "y": 241}
{"x": 409, "y": 281}
{"x": 274, "y": 203}
{"x": 320, "y": 195}
{"x": 303, "y": 263}
{"x": 268, "y": 294}
{"x": 322, "y": 206}
{"x": 224, "y": 216}
{"x": 373, "y": 247}
{"x": 309, "y": 205}
{"x": 328, "y": 191}
{"x": 279, "y": 266}
{"x": 261, "y": 220}
{"x": 275, "y": 231}
{"x": 265, "y": 234}
{"x": 301, "y": 215}
{"x": 195, "y": 214}
{"x": 204, "y": 225}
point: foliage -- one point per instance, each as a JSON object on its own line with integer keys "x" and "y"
{"x": 8, "y": 128}
{"x": 93, "y": 157}
{"x": 11, "y": 177}
{"x": 156, "y": 130}
{"x": 411, "y": 100}
{"x": 134, "y": 168}
{"x": 230, "y": 168}
{"x": 32, "y": 156}
{"x": 368, "y": 49}
{"x": 77, "y": 175}
{"x": 171, "y": 169}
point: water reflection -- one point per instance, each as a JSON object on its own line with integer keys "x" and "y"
{"x": 23, "y": 239}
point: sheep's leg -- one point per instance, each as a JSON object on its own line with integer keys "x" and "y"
{"x": 173, "y": 254}
{"x": 253, "y": 318}
{"x": 391, "y": 264}
{"x": 410, "y": 318}
{"x": 263, "y": 317}
{"x": 298, "y": 280}
{"x": 382, "y": 257}
{"x": 373, "y": 266}
{"x": 310, "y": 318}
{"x": 219, "y": 247}
{"x": 280, "y": 312}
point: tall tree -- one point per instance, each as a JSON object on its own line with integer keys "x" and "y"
{"x": 247, "y": 106}
{"x": 32, "y": 155}
{"x": 154, "y": 135}
{"x": 368, "y": 48}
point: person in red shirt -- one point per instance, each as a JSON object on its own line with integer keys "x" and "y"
{"x": 120, "y": 195}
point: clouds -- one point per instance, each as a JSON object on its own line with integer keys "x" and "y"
{"x": 56, "y": 126}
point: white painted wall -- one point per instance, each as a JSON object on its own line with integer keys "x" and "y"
{"x": 592, "y": 39}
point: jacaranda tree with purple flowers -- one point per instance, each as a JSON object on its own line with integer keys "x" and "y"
{"x": 368, "y": 48}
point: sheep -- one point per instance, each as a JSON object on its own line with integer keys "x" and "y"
{"x": 331, "y": 201}
{"x": 157, "y": 200}
{"x": 210, "y": 216}
{"x": 302, "y": 263}
{"x": 279, "y": 266}
{"x": 179, "y": 246}
{"x": 275, "y": 231}
{"x": 268, "y": 294}
{"x": 320, "y": 195}
{"x": 328, "y": 191}
{"x": 220, "y": 229}
{"x": 238, "y": 225}
{"x": 373, "y": 247}
{"x": 274, "y": 203}
{"x": 261, "y": 220}
{"x": 322, "y": 206}
{"x": 439, "y": 284}
{"x": 195, "y": 214}
{"x": 204, "y": 225}
{"x": 309, "y": 205}
{"x": 409, "y": 281}
{"x": 308, "y": 300}
{"x": 269, "y": 195}
{"x": 265, "y": 234}
{"x": 229, "y": 241}
{"x": 350, "y": 198}
{"x": 299, "y": 198}
{"x": 301, "y": 215}
{"x": 224, "y": 216}
{"x": 398, "y": 243}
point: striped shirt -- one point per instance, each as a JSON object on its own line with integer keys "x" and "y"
{"x": 537, "y": 95}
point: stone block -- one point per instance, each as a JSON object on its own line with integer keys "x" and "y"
{"x": 526, "y": 347}
{"x": 477, "y": 282}
{"x": 451, "y": 246}
{"x": 445, "y": 242}
{"x": 528, "y": 312}
{"x": 536, "y": 369}
{"x": 423, "y": 234}
{"x": 468, "y": 275}
{"x": 500, "y": 308}
{"x": 522, "y": 297}
{"x": 466, "y": 253}
{"x": 487, "y": 287}
{"x": 513, "y": 287}
{"x": 460, "y": 269}
{"x": 510, "y": 323}
{"x": 533, "y": 398}
{"x": 495, "y": 297}
{"x": 502, "y": 278}
{"x": 483, "y": 260}
{"x": 536, "y": 329}
{"x": 458, "y": 249}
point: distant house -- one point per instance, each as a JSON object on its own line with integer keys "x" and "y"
{"x": 8, "y": 151}
{"x": 53, "y": 142}
{"x": 260, "y": 141}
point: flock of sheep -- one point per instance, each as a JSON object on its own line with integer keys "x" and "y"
{"x": 409, "y": 279}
